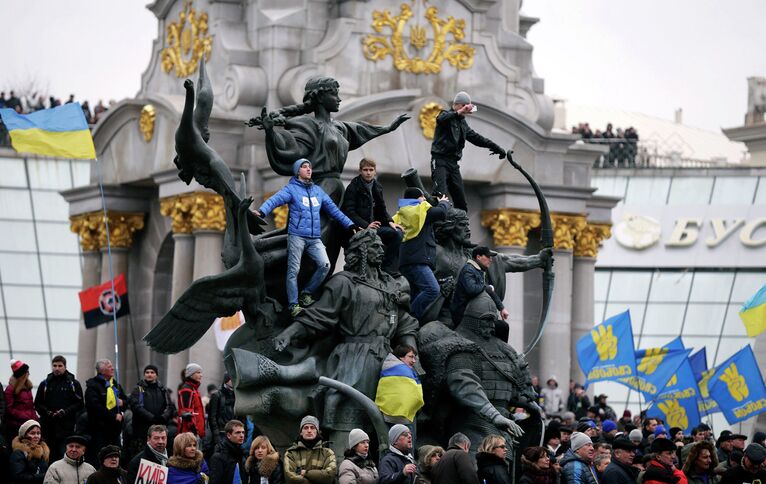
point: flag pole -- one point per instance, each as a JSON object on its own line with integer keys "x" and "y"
{"x": 111, "y": 272}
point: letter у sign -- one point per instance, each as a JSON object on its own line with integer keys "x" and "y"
{"x": 686, "y": 236}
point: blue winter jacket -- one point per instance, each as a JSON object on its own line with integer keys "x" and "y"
{"x": 305, "y": 202}
{"x": 574, "y": 470}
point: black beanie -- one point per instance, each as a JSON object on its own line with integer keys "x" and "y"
{"x": 413, "y": 192}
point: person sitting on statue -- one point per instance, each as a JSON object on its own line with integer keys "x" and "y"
{"x": 308, "y": 460}
{"x": 364, "y": 204}
{"x": 306, "y": 201}
{"x": 400, "y": 394}
{"x": 366, "y": 310}
{"x": 418, "y": 250}
{"x": 450, "y": 135}
{"x": 472, "y": 281}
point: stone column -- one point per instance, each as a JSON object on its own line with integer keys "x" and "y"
{"x": 208, "y": 224}
{"x": 180, "y": 209}
{"x": 554, "y": 354}
{"x": 510, "y": 230}
{"x": 585, "y": 252}
{"x": 86, "y": 227}
{"x": 122, "y": 227}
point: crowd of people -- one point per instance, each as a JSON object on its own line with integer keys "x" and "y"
{"x": 623, "y": 144}
{"x": 64, "y": 435}
{"x": 32, "y": 103}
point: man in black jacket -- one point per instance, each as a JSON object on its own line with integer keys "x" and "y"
{"x": 151, "y": 405}
{"x": 472, "y": 281}
{"x": 621, "y": 470}
{"x": 450, "y": 135}
{"x": 58, "y": 400}
{"x": 418, "y": 250}
{"x": 398, "y": 465}
{"x": 155, "y": 450}
{"x": 105, "y": 400}
{"x": 364, "y": 204}
{"x": 228, "y": 454}
{"x": 456, "y": 465}
{"x": 221, "y": 410}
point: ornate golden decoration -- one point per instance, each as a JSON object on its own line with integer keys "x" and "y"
{"x": 427, "y": 118}
{"x": 418, "y": 36}
{"x": 87, "y": 227}
{"x": 187, "y": 42}
{"x": 208, "y": 212}
{"x": 180, "y": 209}
{"x": 92, "y": 231}
{"x": 566, "y": 229}
{"x": 378, "y": 47}
{"x": 146, "y": 122}
{"x": 122, "y": 226}
{"x": 510, "y": 228}
{"x": 589, "y": 240}
{"x": 280, "y": 213}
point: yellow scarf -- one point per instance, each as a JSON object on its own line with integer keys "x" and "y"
{"x": 111, "y": 397}
{"x": 412, "y": 218}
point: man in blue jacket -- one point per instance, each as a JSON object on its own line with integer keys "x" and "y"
{"x": 305, "y": 201}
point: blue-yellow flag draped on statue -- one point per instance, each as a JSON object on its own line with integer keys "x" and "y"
{"x": 753, "y": 313}
{"x": 737, "y": 386}
{"x": 655, "y": 367}
{"x": 400, "y": 394}
{"x": 607, "y": 352}
{"x": 677, "y": 402}
{"x": 61, "y": 132}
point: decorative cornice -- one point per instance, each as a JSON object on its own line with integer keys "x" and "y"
{"x": 280, "y": 213}
{"x": 510, "y": 227}
{"x": 566, "y": 229}
{"x": 590, "y": 239}
{"x": 91, "y": 229}
{"x": 208, "y": 212}
{"x": 180, "y": 209}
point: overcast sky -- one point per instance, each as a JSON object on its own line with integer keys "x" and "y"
{"x": 650, "y": 56}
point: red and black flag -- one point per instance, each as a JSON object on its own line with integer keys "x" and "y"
{"x": 99, "y": 304}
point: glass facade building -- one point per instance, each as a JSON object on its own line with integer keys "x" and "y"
{"x": 690, "y": 285}
{"x": 40, "y": 273}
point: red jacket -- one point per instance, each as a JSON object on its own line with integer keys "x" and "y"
{"x": 18, "y": 408}
{"x": 657, "y": 473}
{"x": 191, "y": 412}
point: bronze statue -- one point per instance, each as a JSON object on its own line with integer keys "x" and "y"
{"x": 364, "y": 311}
{"x": 291, "y": 133}
{"x": 474, "y": 379}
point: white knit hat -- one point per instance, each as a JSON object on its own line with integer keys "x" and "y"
{"x": 462, "y": 98}
{"x": 579, "y": 439}
{"x": 27, "y": 426}
{"x": 310, "y": 419}
{"x": 191, "y": 369}
{"x": 356, "y": 436}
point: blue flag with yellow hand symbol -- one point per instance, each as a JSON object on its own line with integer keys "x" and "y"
{"x": 655, "y": 367}
{"x": 737, "y": 386}
{"x": 676, "y": 403}
{"x": 698, "y": 362}
{"x": 607, "y": 352}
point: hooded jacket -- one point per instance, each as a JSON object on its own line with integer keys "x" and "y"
{"x": 68, "y": 471}
{"x": 305, "y": 201}
{"x": 574, "y": 470}
{"x": 151, "y": 404}
{"x": 182, "y": 470}
{"x": 28, "y": 462}
{"x": 269, "y": 467}
{"x": 62, "y": 392}
{"x": 19, "y": 407}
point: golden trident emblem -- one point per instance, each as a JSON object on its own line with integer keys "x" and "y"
{"x": 187, "y": 42}
{"x": 378, "y": 47}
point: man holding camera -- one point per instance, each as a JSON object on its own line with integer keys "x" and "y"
{"x": 450, "y": 136}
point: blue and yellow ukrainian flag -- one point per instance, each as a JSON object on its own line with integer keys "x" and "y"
{"x": 399, "y": 393}
{"x": 61, "y": 132}
{"x": 753, "y": 313}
